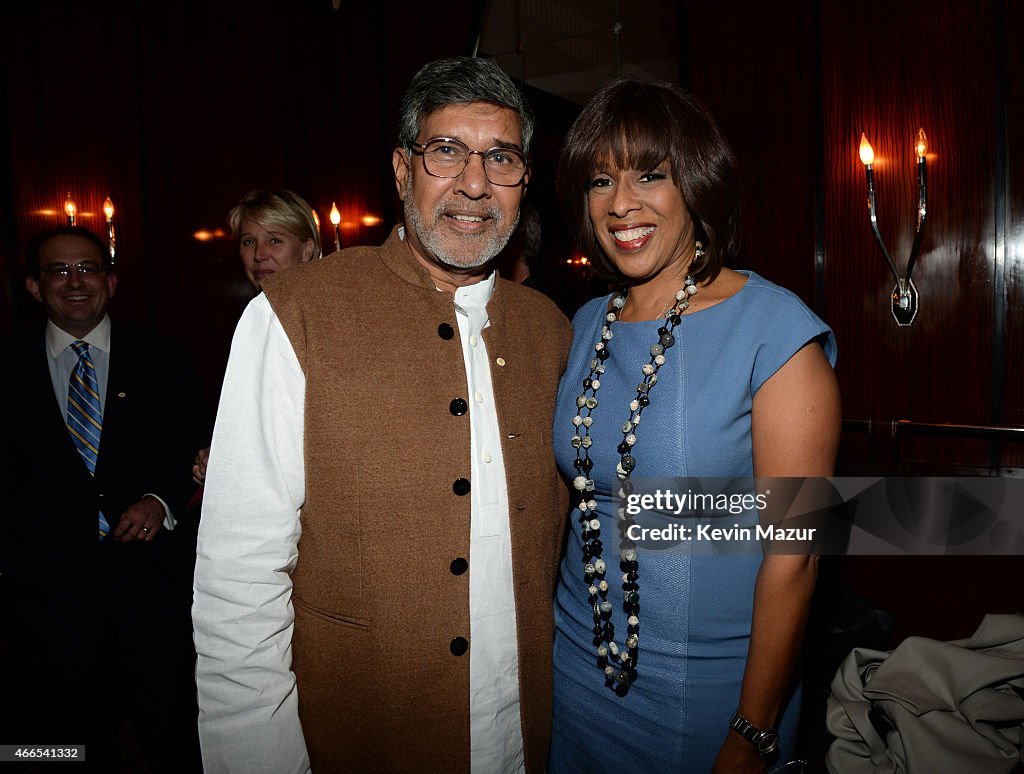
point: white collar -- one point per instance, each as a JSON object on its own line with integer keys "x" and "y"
{"x": 57, "y": 339}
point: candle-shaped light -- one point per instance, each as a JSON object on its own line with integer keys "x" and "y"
{"x": 921, "y": 146}
{"x": 108, "y": 210}
{"x": 867, "y": 158}
{"x": 70, "y": 209}
{"x": 336, "y": 220}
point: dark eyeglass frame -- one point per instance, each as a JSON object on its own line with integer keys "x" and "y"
{"x": 420, "y": 149}
{"x": 85, "y": 268}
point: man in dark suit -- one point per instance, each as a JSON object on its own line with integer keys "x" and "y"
{"x": 98, "y": 426}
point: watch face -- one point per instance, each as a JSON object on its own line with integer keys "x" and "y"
{"x": 767, "y": 742}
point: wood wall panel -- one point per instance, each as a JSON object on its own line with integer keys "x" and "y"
{"x": 178, "y": 110}
{"x": 887, "y": 72}
{"x": 1013, "y": 388}
{"x": 738, "y": 70}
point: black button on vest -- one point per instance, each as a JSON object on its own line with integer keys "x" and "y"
{"x": 445, "y": 331}
{"x": 461, "y": 487}
{"x": 458, "y": 407}
{"x": 459, "y": 566}
{"x": 458, "y": 646}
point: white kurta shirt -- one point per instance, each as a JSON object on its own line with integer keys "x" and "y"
{"x": 248, "y": 546}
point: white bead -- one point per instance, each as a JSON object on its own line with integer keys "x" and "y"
{"x": 596, "y": 384}
{"x": 606, "y": 334}
{"x": 631, "y": 439}
{"x": 592, "y": 504}
{"x": 633, "y": 621}
{"x": 603, "y": 585}
{"x": 587, "y": 441}
{"x": 599, "y": 346}
{"x": 633, "y": 405}
{"x": 618, "y": 302}
{"x": 600, "y": 368}
{"x": 659, "y": 360}
{"x": 588, "y": 568}
{"x": 632, "y": 641}
{"x": 600, "y": 565}
{"x": 627, "y": 426}
{"x": 577, "y": 420}
{"x": 596, "y": 524}
{"x": 648, "y": 369}
{"x": 691, "y": 289}
{"x": 580, "y": 482}
{"x": 680, "y": 294}
{"x": 602, "y": 651}
{"x": 592, "y": 590}
{"x": 588, "y": 421}
{"x": 581, "y": 401}
{"x": 606, "y": 607}
{"x": 609, "y": 671}
{"x": 591, "y": 403}
{"x": 636, "y": 420}
{"x": 614, "y": 648}
{"x": 629, "y": 555}
{"x": 582, "y": 506}
{"x": 620, "y": 470}
{"x": 610, "y": 317}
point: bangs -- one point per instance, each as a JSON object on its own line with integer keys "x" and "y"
{"x": 636, "y": 134}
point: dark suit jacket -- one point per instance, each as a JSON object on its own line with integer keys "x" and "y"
{"x": 154, "y": 421}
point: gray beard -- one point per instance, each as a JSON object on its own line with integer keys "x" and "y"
{"x": 490, "y": 243}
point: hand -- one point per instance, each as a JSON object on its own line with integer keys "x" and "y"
{"x": 141, "y": 521}
{"x": 738, "y": 756}
{"x": 199, "y": 467}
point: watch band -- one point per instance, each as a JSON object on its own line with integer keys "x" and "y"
{"x": 764, "y": 742}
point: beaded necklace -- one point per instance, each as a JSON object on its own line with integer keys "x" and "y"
{"x": 617, "y": 663}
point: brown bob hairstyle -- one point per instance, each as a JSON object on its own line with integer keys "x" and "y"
{"x": 630, "y": 124}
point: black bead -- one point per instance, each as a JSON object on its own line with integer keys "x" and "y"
{"x": 587, "y": 465}
{"x": 628, "y": 463}
{"x": 609, "y": 631}
{"x": 461, "y": 487}
{"x": 458, "y": 407}
{"x": 667, "y": 340}
{"x": 445, "y": 331}
{"x": 458, "y": 646}
{"x": 602, "y": 354}
{"x": 675, "y": 319}
{"x": 459, "y": 566}
{"x": 587, "y": 383}
{"x": 644, "y": 401}
{"x": 662, "y": 330}
{"x": 622, "y": 447}
{"x": 578, "y": 464}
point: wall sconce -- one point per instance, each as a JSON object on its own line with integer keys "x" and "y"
{"x": 904, "y": 295}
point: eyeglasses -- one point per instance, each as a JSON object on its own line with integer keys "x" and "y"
{"x": 85, "y": 268}
{"x": 445, "y": 157}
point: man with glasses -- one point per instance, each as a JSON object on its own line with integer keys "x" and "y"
{"x": 100, "y": 422}
{"x": 392, "y": 406}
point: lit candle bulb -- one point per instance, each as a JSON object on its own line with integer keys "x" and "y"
{"x": 70, "y": 209}
{"x": 867, "y": 153}
{"x": 867, "y": 158}
{"x": 336, "y": 220}
{"x": 108, "y": 210}
{"x": 921, "y": 145}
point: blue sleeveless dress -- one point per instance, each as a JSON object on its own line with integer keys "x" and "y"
{"x": 696, "y": 610}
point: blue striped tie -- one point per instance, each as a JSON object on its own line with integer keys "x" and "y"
{"x": 85, "y": 417}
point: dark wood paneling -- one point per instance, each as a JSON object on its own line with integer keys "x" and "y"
{"x": 887, "y": 72}
{"x": 1013, "y": 391}
{"x": 739, "y": 71}
{"x": 176, "y": 111}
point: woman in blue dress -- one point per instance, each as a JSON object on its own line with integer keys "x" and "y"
{"x": 669, "y": 659}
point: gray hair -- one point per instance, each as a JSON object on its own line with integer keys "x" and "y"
{"x": 457, "y": 81}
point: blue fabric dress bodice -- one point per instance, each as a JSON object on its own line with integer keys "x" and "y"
{"x": 695, "y": 609}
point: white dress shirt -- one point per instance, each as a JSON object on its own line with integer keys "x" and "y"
{"x": 248, "y": 547}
